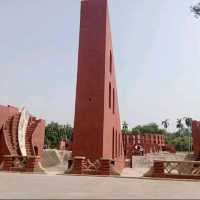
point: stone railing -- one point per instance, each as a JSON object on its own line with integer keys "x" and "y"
{"x": 176, "y": 169}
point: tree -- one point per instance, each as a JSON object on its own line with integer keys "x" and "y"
{"x": 196, "y": 10}
{"x": 188, "y": 123}
{"x": 125, "y": 127}
{"x": 54, "y": 132}
{"x": 180, "y": 140}
{"x": 137, "y": 129}
{"x": 179, "y": 125}
{"x": 165, "y": 123}
{"x": 148, "y": 128}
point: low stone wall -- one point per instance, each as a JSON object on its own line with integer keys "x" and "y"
{"x": 20, "y": 163}
{"x": 176, "y": 169}
{"x": 106, "y": 167}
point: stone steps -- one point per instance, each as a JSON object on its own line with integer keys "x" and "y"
{"x": 31, "y": 127}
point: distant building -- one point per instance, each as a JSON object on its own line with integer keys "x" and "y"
{"x": 140, "y": 144}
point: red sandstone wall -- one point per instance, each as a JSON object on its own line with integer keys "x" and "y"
{"x": 3, "y": 147}
{"x": 38, "y": 136}
{"x": 196, "y": 137}
{"x": 89, "y": 113}
{"x": 170, "y": 148}
{"x": 150, "y": 143}
{"x": 111, "y": 114}
{"x": 6, "y": 112}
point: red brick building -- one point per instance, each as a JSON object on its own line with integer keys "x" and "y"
{"x": 97, "y": 141}
{"x": 146, "y": 143}
{"x": 21, "y": 139}
{"x": 196, "y": 138}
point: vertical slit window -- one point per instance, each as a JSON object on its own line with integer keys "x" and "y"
{"x": 116, "y": 144}
{"x": 113, "y": 100}
{"x": 109, "y": 95}
{"x": 111, "y": 61}
{"x": 113, "y": 143}
{"x": 119, "y": 145}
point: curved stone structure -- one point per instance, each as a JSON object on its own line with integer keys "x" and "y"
{"x": 23, "y": 125}
{"x": 22, "y": 139}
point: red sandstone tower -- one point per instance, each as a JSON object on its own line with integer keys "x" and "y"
{"x": 97, "y": 144}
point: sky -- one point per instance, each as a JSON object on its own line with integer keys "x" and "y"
{"x": 156, "y": 48}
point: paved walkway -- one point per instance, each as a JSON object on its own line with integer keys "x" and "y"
{"x": 23, "y": 186}
{"x": 134, "y": 172}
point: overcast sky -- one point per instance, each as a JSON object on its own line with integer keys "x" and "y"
{"x": 157, "y": 55}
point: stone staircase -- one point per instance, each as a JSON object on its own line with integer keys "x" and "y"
{"x": 30, "y": 129}
{"x": 15, "y": 123}
{"x": 7, "y": 134}
{"x": 12, "y": 157}
{"x": 10, "y": 126}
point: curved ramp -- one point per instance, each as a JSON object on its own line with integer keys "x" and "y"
{"x": 55, "y": 161}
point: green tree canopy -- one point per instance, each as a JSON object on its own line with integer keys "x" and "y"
{"x": 148, "y": 128}
{"x": 196, "y": 10}
{"x": 54, "y": 132}
{"x": 179, "y": 138}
